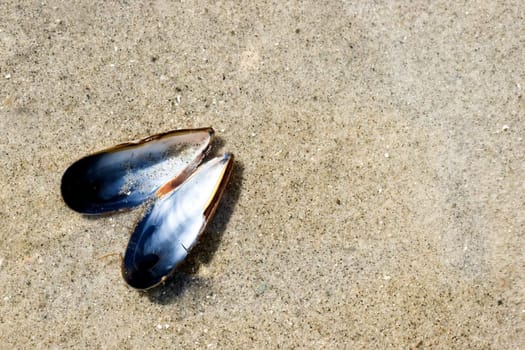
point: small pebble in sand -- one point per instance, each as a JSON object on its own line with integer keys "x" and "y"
{"x": 505, "y": 127}
{"x": 261, "y": 289}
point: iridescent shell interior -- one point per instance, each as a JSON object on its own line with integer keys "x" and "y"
{"x": 173, "y": 223}
{"x": 127, "y": 175}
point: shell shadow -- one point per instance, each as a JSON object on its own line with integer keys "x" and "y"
{"x": 185, "y": 276}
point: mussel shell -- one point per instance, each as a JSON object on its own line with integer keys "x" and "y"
{"x": 173, "y": 223}
{"x": 128, "y": 174}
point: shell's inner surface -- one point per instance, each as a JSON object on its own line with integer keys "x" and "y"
{"x": 172, "y": 224}
{"x": 128, "y": 174}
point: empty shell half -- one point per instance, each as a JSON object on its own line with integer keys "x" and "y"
{"x": 128, "y": 174}
{"x": 172, "y": 224}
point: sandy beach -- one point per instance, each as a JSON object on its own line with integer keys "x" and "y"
{"x": 377, "y": 198}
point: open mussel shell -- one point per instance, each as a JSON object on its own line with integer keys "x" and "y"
{"x": 173, "y": 223}
{"x": 128, "y": 174}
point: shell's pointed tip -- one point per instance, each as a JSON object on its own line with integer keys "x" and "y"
{"x": 228, "y": 156}
{"x": 211, "y": 132}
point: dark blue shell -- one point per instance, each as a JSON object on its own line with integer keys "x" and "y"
{"x": 126, "y": 175}
{"x": 173, "y": 223}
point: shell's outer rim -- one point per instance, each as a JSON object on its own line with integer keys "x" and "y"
{"x": 212, "y": 205}
{"x": 155, "y": 137}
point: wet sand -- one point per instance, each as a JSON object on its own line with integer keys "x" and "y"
{"x": 378, "y": 192}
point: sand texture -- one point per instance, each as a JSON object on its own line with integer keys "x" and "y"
{"x": 378, "y": 194}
